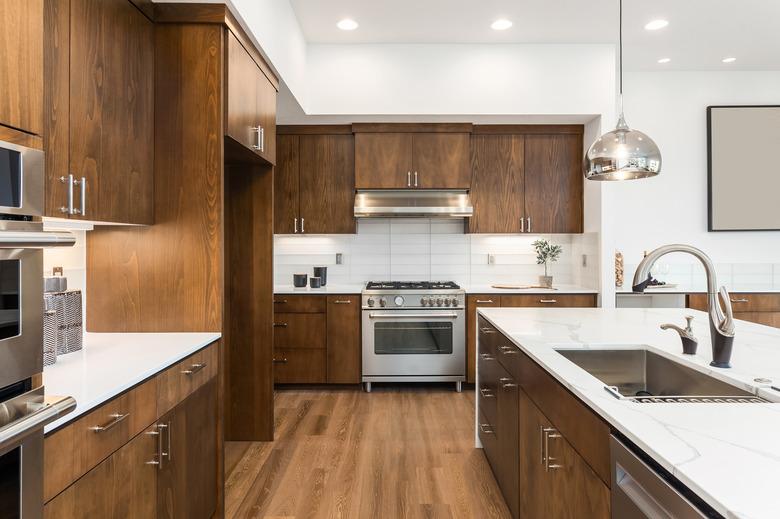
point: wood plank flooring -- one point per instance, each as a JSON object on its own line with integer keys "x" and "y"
{"x": 398, "y": 452}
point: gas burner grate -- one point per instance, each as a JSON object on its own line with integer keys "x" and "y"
{"x": 698, "y": 399}
{"x": 412, "y": 285}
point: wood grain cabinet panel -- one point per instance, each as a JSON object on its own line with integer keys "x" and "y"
{"x": 327, "y": 184}
{"x": 300, "y": 366}
{"x": 441, "y": 160}
{"x": 759, "y": 308}
{"x": 250, "y": 117}
{"x": 549, "y": 300}
{"x": 188, "y": 475}
{"x": 383, "y": 160}
{"x": 299, "y": 331}
{"x": 185, "y": 377}
{"x": 497, "y": 190}
{"x": 123, "y": 486}
{"x": 21, "y": 65}
{"x": 553, "y": 183}
{"x": 286, "y": 303}
{"x": 287, "y": 185}
{"x": 111, "y": 111}
{"x": 472, "y": 303}
{"x": 343, "y": 342}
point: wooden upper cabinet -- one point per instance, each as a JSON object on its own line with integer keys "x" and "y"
{"x": 497, "y": 190}
{"x": 383, "y": 160}
{"x": 100, "y": 101}
{"x": 21, "y": 65}
{"x": 441, "y": 160}
{"x": 327, "y": 184}
{"x": 286, "y": 184}
{"x": 554, "y": 183}
{"x": 250, "y": 118}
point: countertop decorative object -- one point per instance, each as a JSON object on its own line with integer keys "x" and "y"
{"x": 619, "y": 267}
{"x": 110, "y": 363}
{"x": 546, "y": 253}
{"x": 728, "y": 454}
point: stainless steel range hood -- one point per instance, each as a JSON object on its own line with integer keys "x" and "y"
{"x": 413, "y": 203}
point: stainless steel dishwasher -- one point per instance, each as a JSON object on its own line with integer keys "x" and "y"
{"x": 640, "y": 491}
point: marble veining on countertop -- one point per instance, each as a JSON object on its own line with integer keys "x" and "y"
{"x": 728, "y": 454}
{"x": 110, "y": 363}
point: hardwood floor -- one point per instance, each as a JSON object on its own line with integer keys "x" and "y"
{"x": 341, "y": 453}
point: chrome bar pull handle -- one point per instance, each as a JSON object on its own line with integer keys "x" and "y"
{"x": 302, "y": 223}
{"x": 68, "y": 209}
{"x": 343, "y": 302}
{"x": 157, "y": 455}
{"x": 487, "y": 356}
{"x": 550, "y": 433}
{"x": 280, "y": 325}
{"x": 194, "y": 368}
{"x": 415, "y": 179}
{"x": 258, "y": 145}
{"x": 280, "y": 361}
{"x": 484, "y": 301}
{"x": 408, "y": 179}
{"x": 487, "y": 330}
{"x": 529, "y": 224}
{"x": 116, "y": 419}
{"x": 486, "y": 428}
{"x": 486, "y": 393}
{"x": 548, "y": 301}
{"x": 740, "y": 300}
{"x": 507, "y": 383}
{"x": 83, "y": 196}
{"x": 296, "y": 225}
{"x": 70, "y": 195}
{"x": 522, "y": 224}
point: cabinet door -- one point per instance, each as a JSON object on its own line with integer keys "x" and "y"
{"x": 383, "y": 160}
{"x": 553, "y": 183}
{"x": 286, "y": 186}
{"x": 188, "y": 475}
{"x": 344, "y": 352}
{"x": 300, "y": 366}
{"x": 266, "y": 107}
{"x": 299, "y": 331}
{"x": 242, "y": 94}
{"x": 21, "y": 65}
{"x": 112, "y": 110}
{"x": 497, "y": 191}
{"x": 472, "y": 303}
{"x": 508, "y": 440}
{"x": 123, "y": 486}
{"x": 534, "y": 483}
{"x": 327, "y": 184}
{"x": 441, "y": 160}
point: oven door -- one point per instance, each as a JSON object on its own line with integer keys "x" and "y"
{"x": 21, "y": 180}
{"x": 21, "y": 314}
{"x": 414, "y": 343}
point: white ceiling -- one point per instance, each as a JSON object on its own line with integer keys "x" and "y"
{"x": 699, "y": 35}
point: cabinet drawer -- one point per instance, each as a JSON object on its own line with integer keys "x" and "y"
{"x": 487, "y": 435}
{"x": 488, "y": 337}
{"x": 299, "y": 304}
{"x": 181, "y": 380}
{"x": 300, "y": 366}
{"x": 487, "y": 388}
{"x": 585, "y": 431}
{"x": 742, "y": 302}
{"x": 550, "y": 300}
{"x": 75, "y": 449}
{"x": 300, "y": 331}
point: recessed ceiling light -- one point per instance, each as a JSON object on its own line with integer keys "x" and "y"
{"x": 656, "y": 24}
{"x": 501, "y": 24}
{"x": 347, "y": 24}
{"x": 664, "y": 60}
{"x": 730, "y": 59}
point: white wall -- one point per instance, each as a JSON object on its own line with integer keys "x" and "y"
{"x": 671, "y": 108}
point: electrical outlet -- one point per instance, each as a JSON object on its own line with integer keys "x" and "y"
{"x": 339, "y": 258}
{"x": 491, "y": 259}
{"x": 584, "y": 260}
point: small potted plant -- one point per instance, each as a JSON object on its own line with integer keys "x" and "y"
{"x": 546, "y": 253}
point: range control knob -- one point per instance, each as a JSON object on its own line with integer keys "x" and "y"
{"x": 370, "y": 301}
{"x": 447, "y": 301}
{"x": 399, "y": 301}
{"x": 423, "y": 301}
{"x": 382, "y": 302}
{"x": 439, "y": 301}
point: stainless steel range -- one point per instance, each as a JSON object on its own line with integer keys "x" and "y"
{"x": 414, "y": 332}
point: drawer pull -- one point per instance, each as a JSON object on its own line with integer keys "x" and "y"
{"x": 487, "y": 356}
{"x": 486, "y": 393}
{"x": 484, "y": 301}
{"x": 344, "y": 302}
{"x": 280, "y": 361}
{"x": 506, "y": 383}
{"x": 486, "y": 428}
{"x": 280, "y": 301}
{"x": 194, "y": 368}
{"x": 280, "y": 325}
{"x": 548, "y": 301}
{"x": 116, "y": 418}
{"x": 487, "y": 330}
{"x": 157, "y": 459}
{"x": 508, "y": 350}
{"x": 741, "y": 300}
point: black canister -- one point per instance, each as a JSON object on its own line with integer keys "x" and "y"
{"x": 299, "y": 280}
{"x": 322, "y": 273}
{"x": 315, "y": 282}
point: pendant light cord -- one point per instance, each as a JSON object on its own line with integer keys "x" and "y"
{"x": 620, "y": 55}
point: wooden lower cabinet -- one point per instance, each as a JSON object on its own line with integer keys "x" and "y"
{"x": 754, "y": 307}
{"x": 317, "y": 339}
{"x": 124, "y": 485}
{"x": 472, "y": 303}
{"x": 540, "y": 471}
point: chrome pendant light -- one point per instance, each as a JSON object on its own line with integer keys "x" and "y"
{"x": 623, "y": 153}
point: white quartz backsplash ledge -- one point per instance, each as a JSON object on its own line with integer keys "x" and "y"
{"x": 728, "y": 454}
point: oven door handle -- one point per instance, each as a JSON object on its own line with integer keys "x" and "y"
{"x": 416, "y": 316}
{"x": 42, "y": 413}
{"x": 35, "y": 240}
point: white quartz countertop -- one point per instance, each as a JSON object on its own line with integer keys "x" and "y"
{"x": 695, "y": 289}
{"x": 470, "y": 289}
{"x": 728, "y": 454}
{"x": 110, "y": 363}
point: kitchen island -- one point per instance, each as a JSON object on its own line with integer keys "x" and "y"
{"x": 727, "y": 454}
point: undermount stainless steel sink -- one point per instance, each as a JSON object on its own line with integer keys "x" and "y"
{"x": 644, "y": 376}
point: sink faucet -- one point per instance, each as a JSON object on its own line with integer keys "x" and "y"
{"x": 689, "y": 340}
{"x": 721, "y": 321}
